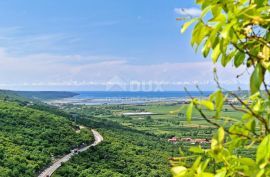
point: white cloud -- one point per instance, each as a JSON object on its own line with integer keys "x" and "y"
{"x": 188, "y": 11}
{"x": 46, "y": 71}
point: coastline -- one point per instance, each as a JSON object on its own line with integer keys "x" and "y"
{"x": 114, "y": 98}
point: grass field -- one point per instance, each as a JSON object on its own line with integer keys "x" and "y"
{"x": 164, "y": 122}
{"x": 138, "y": 143}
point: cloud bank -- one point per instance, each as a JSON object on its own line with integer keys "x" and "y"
{"x": 77, "y": 72}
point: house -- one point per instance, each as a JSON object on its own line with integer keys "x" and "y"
{"x": 172, "y": 140}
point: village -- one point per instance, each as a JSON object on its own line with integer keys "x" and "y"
{"x": 176, "y": 140}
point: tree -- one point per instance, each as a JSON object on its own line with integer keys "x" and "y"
{"x": 236, "y": 31}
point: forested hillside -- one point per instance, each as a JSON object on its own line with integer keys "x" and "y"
{"x": 46, "y": 95}
{"x": 37, "y": 95}
{"x": 125, "y": 152}
{"x": 30, "y": 138}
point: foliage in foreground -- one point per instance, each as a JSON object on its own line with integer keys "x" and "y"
{"x": 237, "y": 31}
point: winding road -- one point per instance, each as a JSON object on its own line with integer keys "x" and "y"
{"x": 50, "y": 170}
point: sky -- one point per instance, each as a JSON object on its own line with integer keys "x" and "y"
{"x": 102, "y": 45}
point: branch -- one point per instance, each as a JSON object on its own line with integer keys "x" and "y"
{"x": 214, "y": 123}
{"x": 260, "y": 39}
{"x": 244, "y": 51}
{"x": 258, "y": 117}
{"x": 218, "y": 126}
{"x": 238, "y": 109}
{"x": 244, "y": 111}
{"x": 266, "y": 87}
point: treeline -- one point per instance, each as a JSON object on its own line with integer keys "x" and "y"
{"x": 36, "y": 95}
{"x": 30, "y": 138}
{"x": 46, "y": 95}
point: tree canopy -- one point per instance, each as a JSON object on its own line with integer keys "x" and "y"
{"x": 238, "y": 32}
{"x": 31, "y": 138}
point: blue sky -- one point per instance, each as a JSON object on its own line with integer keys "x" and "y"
{"x": 84, "y": 44}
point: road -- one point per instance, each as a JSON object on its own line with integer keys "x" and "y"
{"x": 50, "y": 170}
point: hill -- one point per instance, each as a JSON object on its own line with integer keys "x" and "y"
{"x": 124, "y": 152}
{"x": 36, "y": 95}
{"x": 31, "y": 138}
{"x": 46, "y": 95}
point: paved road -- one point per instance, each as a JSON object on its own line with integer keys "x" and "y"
{"x": 50, "y": 170}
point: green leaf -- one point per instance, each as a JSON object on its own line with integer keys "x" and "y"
{"x": 196, "y": 149}
{"x": 206, "y": 48}
{"x": 226, "y": 31}
{"x": 266, "y": 65}
{"x": 260, "y": 173}
{"x": 187, "y": 24}
{"x": 256, "y": 78}
{"x": 197, "y": 163}
{"x": 224, "y": 45}
{"x": 247, "y": 161}
{"x": 227, "y": 58}
{"x": 205, "y": 4}
{"x": 189, "y": 111}
{"x": 204, "y": 164}
{"x": 205, "y": 10}
{"x": 263, "y": 152}
{"x": 251, "y": 125}
{"x": 177, "y": 110}
{"x": 216, "y": 10}
{"x": 219, "y": 18}
{"x": 206, "y": 103}
{"x": 216, "y": 53}
{"x": 260, "y": 2}
{"x": 218, "y": 140}
{"x": 214, "y": 37}
{"x": 218, "y": 97}
{"x": 221, "y": 172}
{"x": 266, "y": 52}
{"x": 220, "y": 135}
{"x": 267, "y": 36}
{"x": 219, "y": 102}
{"x": 206, "y": 174}
{"x": 239, "y": 59}
{"x": 258, "y": 106}
{"x": 196, "y": 33}
{"x": 179, "y": 171}
{"x": 254, "y": 96}
{"x": 201, "y": 32}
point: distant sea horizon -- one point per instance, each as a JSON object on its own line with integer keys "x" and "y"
{"x": 139, "y": 94}
{"x": 128, "y": 97}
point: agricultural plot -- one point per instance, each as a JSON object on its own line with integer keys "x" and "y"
{"x": 168, "y": 119}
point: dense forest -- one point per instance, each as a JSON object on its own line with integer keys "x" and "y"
{"x": 33, "y": 134}
{"x": 124, "y": 153}
{"x": 31, "y": 138}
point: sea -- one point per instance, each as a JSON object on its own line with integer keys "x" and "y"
{"x": 128, "y": 97}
